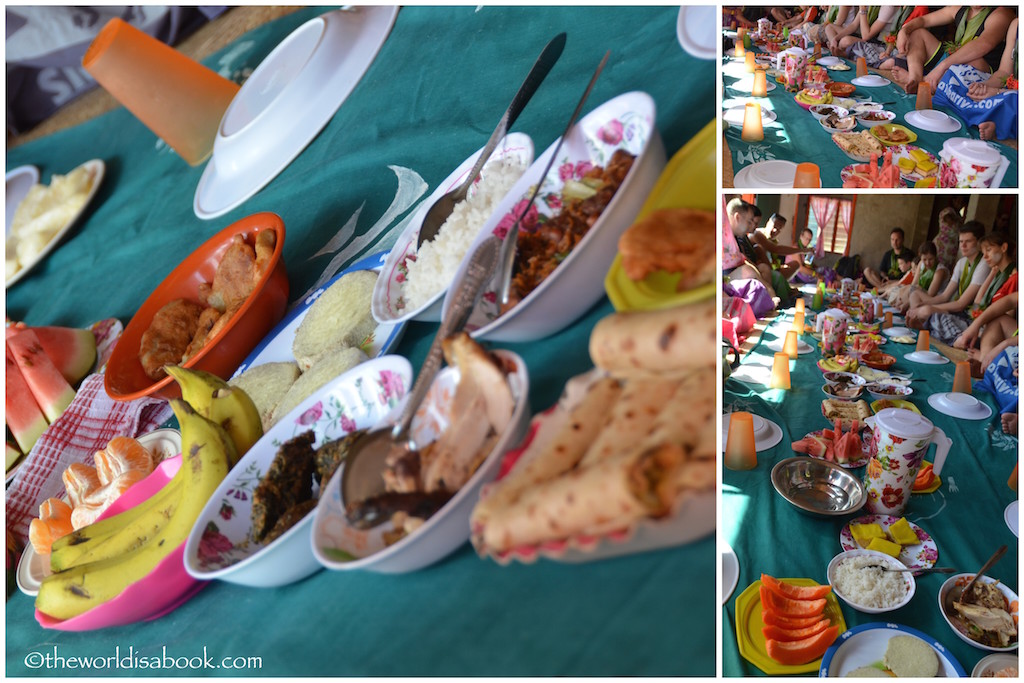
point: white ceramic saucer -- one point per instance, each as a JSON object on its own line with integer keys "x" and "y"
{"x": 746, "y": 84}
{"x": 1012, "y": 517}
{"x": 828, "y": 61}
{"x": 927, "y": 357}
{"x": 932, "y": 120}
{"x": 695, "y": 29}
{"x": 730, "y": 571}
{"x": 775, "y": 173}
{"x": 286, "y": 101}
{"x": 767, "y": 434}
{"x": 18, "y": 182}
{"x": 898, "y": 331}
{"x": 870, "y": 81}
{"x": 802, "y": 347}
{"x": 734, "y": 115}
{"x": 963, "y": 406}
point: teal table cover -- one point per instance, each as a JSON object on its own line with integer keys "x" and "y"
{"x": 964, "y": 516}
{"x": 798, "y": 137}
{"x": 430, "y": 99}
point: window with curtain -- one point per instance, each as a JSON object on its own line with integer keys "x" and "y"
{"x": 831, "y": 220}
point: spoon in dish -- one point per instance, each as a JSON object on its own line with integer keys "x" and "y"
{"x": 926, "y": 570}
{"x": 442, "y": 208}
{"x": 361, "y": 478}
{"x": 955, "y": 593}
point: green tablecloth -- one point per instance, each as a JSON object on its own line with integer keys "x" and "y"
{"x": 797, "y": 136}
{"x": 431, "y": 98}
{"x": 964, "y": 516}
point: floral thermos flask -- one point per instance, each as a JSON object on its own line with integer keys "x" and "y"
{"x": 899, "y": 441}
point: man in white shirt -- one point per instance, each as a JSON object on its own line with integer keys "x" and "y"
{"x": 968, "y": 275}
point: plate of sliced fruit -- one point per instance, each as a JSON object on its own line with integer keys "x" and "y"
{"x": 899, "y": 537}
{"x": 914, "y": 163}
{"x": 848, "y": 448}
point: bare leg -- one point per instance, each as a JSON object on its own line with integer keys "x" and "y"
{"x": 921, "y": 46}
{"x": 873, "y": 277}
{"x": 788, "y": 270}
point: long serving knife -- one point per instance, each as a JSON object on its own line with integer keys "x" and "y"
{"x": 508, "y": 246}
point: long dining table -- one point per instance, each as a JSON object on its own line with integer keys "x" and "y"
{"x": 795, "y": 135}
{"x": 429, "y": 99}
{"x": 964, "y": 516}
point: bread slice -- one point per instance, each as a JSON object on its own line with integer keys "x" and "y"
{"x": 909, "y": 656}
{"x": 339, "y": 317}
{"x": 834, "y": 409}
{"x": 330, "y": 366}
{"x": 266, "y": 384}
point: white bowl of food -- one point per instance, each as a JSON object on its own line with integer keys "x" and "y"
{"x": 223, "y": 543}
{"x": 887, "y": 390}
{"x": 340, "y": 544}
{"x": 859, "y": 578}
{"x": 836, "y": 377}
{"x": 984, "y": 620}
{"x": 412, "y": 285}
{"x": 874, "y": 117}
{"x": 820, "y": 111}
{"x": 838, "y": 124}
{"x": 843, "y": 392}
{"x": 569, "y": 284}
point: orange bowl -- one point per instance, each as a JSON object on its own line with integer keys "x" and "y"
{"x": 840, "y": 89}
{"x": 878, "y": 360}
{"x": 125, "y": 380}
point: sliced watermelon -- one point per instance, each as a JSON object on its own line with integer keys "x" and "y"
{"x": 13, "y": 454}
{"x": 787, "y": 635}
{"x": 802, "y": 651}
{"x": 811, "y": 445}
{"x": 791, "y": 623}
{"x": 52, "y": 392}
{"x": 24, "y": 416}
{"x": 793, "y": 592}
{"x": 72, "y": 350}
{"x": 791, "y": 608}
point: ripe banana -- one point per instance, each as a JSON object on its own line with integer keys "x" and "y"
{"x": 206, "y": 451}
{"x": 228, "y": 406}
{"x": 69, "y": 550}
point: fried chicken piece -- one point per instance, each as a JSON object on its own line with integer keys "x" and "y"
{"x": 168, "y": 336}
{"x": 207, "y": 320}
{"x": 288, "y": 482}
{"x": 674, "y": 240}
{"x": 239, "y": 270}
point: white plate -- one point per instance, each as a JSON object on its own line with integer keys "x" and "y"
{"x": 388, "y": 304}
{"x": 696, "y": 31}
{"x": 991, "y": 664}
{"x": 865, "y": 645}
{"x": 903, "y": 151}
{"x": 899, "y": 331}
{"x": 870, "y": 81}
{"x": 802, "y": 347}
{"x": 286, "y": 101}
{"x": 828, "y": 61}
{"x": 1011, "y": 515}
{"x": 625, "y": 122}
{"x": 162, "y": 443}
{"x": 770, "y": 174}
{"x": 337, "y": 545}
{"x": 767, "y": 434}
{"x": 746, "y": 84}
{"x": 926, "y": 357}
{"x": 734, "y": 115}
{"x": 221, "y": 546}
{"x": 18, "y": 182}
{"x": 277, "y": 345}
{"x": 932, "y": 120}
{"x": 963, "y": 406}
{"x": 730, "y": 572}
{"x": 96, "y": 169}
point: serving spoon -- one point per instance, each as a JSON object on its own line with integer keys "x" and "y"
{"x": 925, "y": 570}
{"x": 956, "y": 592}
{"x": 361, "y": 478}
{"x": 442, "y": 208}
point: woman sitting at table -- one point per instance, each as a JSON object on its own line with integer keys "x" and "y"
{"x": 977, "y": 41}
{"x": 863, "y": 36}
{"x": 1002, "y": 80}
{"x": 992, "y": 330}
{"x": 964, "y": 284}
{"x": 931, "y": 276}
{"x": 997, "y": 250}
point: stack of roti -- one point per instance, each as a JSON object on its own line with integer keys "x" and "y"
{"x": 635, "y": 441}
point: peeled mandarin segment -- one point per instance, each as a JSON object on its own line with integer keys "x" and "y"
{"x": 122, "y": 454}
{"x": 39, "y": 536}
{"x": 80, "y": 480}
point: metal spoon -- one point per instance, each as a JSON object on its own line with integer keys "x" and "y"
{"x": 955, "y": 592}
{"x": 361, "y": 477}
{"x": 508, "y": 255}
{"x": 926, "y": 570}
{"x": 442, "y": 208}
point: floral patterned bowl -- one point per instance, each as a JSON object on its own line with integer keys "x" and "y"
{"x": 388, "y": 304}
{"x": 221, "y": 545}
{"x": 625, "y": 122}
{"x": 337, "y": 545}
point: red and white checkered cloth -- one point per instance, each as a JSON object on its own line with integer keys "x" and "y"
{"x": 87, "y": 426}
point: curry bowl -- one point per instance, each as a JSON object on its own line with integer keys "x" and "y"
{"x": 126, "y": 380}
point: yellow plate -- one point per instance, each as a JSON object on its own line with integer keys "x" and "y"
{"x": 751, "y": 640}
{"x": 933, "y": 487}
{"x": 893, "y": 403}
{"x": 687, "y": 181}
{"x": 889, "y": 127}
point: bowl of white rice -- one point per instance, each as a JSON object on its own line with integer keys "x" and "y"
{"x": 859, "y": 580}
{"x": 412, "y": 283}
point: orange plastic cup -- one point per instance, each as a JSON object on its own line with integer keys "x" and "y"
{"x": 751, "y": 65}
{"x": 862, "y": 67}
{"x": 1012, "y": 481}
{"x": 962, "y": 377}
{"x": 924, "y": 96}
{"x": 888, "y": 320}
{"x": 924, "y": 340}
{"x": 753, "y": 129}
{"x": 798, "y": 322}
{"x": 807, "y": 175}
{"x": 740, "y": 444}
{"x": 760, "y": 88}
{"x": 800, "y": 305}
{"x": 177, "y": 98}
{"x": 780, "y": 371}
{"x": 791, "y": 347}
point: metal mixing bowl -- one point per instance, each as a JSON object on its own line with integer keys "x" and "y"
{"x": 818, "y": 487}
